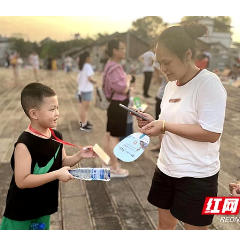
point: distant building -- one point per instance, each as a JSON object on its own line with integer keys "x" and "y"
{"x": 218, "y": 43}
{"x": 5, "y": 48}
{"x": 134, "y": 48}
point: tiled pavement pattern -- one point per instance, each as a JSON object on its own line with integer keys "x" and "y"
{"x": 119, "y": 203}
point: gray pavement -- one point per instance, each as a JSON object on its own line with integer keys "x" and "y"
{"x": 119, "y": 203}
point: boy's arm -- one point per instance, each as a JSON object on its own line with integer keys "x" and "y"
{"x": 22, "y": 170}
{"x": 87, "y": 152}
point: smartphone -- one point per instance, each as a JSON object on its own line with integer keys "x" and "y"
{"x": 133, "y": 112}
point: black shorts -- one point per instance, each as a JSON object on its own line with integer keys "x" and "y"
{"x": 184, "y": 197}
{"x": 117, "y": 118}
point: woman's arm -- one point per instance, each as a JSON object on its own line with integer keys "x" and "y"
{"x": 192, "y": 132}
{"x": 91, "y": 79}
{"x": 120, "y": 82}
{"x": 128, "y": 80}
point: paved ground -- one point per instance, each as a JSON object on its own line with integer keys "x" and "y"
{"x": 119, "y": 203}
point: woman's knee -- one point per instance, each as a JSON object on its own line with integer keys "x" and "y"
{"x": 166, "y": 220}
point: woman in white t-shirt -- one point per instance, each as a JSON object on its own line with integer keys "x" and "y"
{"x": 34, "y": 61}
{"x": 147, "y": 59}
{"x": 85, "y": 89}
{"x": 192, "y": 118}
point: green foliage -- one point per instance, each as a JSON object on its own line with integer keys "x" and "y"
{"x": 22, "y": 46}
{"x": 51, "y": 48}
{"x": 149, "y": 27}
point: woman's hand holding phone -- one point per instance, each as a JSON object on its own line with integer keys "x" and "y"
{"x": 142, "y": 118}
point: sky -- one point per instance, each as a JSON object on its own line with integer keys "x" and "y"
{"x": 61, "y": 28}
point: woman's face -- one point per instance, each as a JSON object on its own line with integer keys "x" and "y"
{"x": 88, "y": 59}
{"x": 170, "y": 64}
{"x": 120, "y": 52}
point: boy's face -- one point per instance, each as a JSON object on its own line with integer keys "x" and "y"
{"x": 48, "y": 113}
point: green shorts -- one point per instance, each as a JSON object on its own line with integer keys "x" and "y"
{"x": 8, "y": 224}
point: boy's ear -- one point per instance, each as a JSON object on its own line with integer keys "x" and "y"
{"x": 33, "y": 113}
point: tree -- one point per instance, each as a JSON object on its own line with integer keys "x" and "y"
{"x": 149, "y": 27}
{"x": 100, "y": 36}
{"x": 77, "y": 36}
{"x": 191, "y": 19}
{"x": 55, "y": 49}
{"x": 222, "y": 24}
{"x": 22, "y": 46}
{"x": 224, "y": 19}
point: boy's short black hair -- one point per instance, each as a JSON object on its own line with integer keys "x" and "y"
{"x": 33, "y": 94}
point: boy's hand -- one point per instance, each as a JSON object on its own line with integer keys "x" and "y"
{"x": 64, "y": 175}
{"x": 87, "y": 152}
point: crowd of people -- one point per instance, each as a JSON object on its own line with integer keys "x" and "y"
{"x": 16, "y": 62}
{"x": 189, "y": 122}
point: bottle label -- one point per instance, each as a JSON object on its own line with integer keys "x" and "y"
{"x": 102, "y": 174}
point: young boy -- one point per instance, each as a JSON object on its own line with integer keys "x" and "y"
{"x": 38, "y": 162}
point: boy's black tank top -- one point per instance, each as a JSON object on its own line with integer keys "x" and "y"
{"x": 31, "y": 203}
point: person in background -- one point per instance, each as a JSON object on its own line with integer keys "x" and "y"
{"x": 68, "y": 64}
{"x": 49, "y": 66}
{"x": 34, "y": 62}
{"x": 236, "y": 191}
{"x": 208, "y": 54}
{"x": 202, "y": 60}
{"x": 129, "y": 129}
{"x": 54, "y": 64}
{"x": 234, "y": 188}
{"x": 85, "y": 89}
{"x": 7, "y": 57}
{"x": 162, "y": 79}
{"x": 116, "y": 86}
{"x": 147, "y": 59}
{"x": 13, "y": 63}
{"x": 192, "y": 118}
{"x": 54, "y": 67}
{"x": 104, "y": 60}
{"x": 38, "y": 163}
{"x": 19, "y": 66}
{"x": 16, "y": 63}
{"x": 235, "y": 70}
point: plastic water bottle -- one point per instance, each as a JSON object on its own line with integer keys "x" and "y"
{"x": 37, "y": 226}
{"x": 102, "y": 174}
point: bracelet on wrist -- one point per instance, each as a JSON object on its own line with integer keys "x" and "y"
{"x": 163, "y": 127}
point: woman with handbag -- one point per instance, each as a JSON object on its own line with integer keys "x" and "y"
{"x": 116, "y": 87}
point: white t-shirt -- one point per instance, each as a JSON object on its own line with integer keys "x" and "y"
{"x": 68, "y": 61}
{"x": 34, "y": 60}
{"x": 203, "y": 102}
{"x": 84, "y": 85}
{"x": 148, "y": 59}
